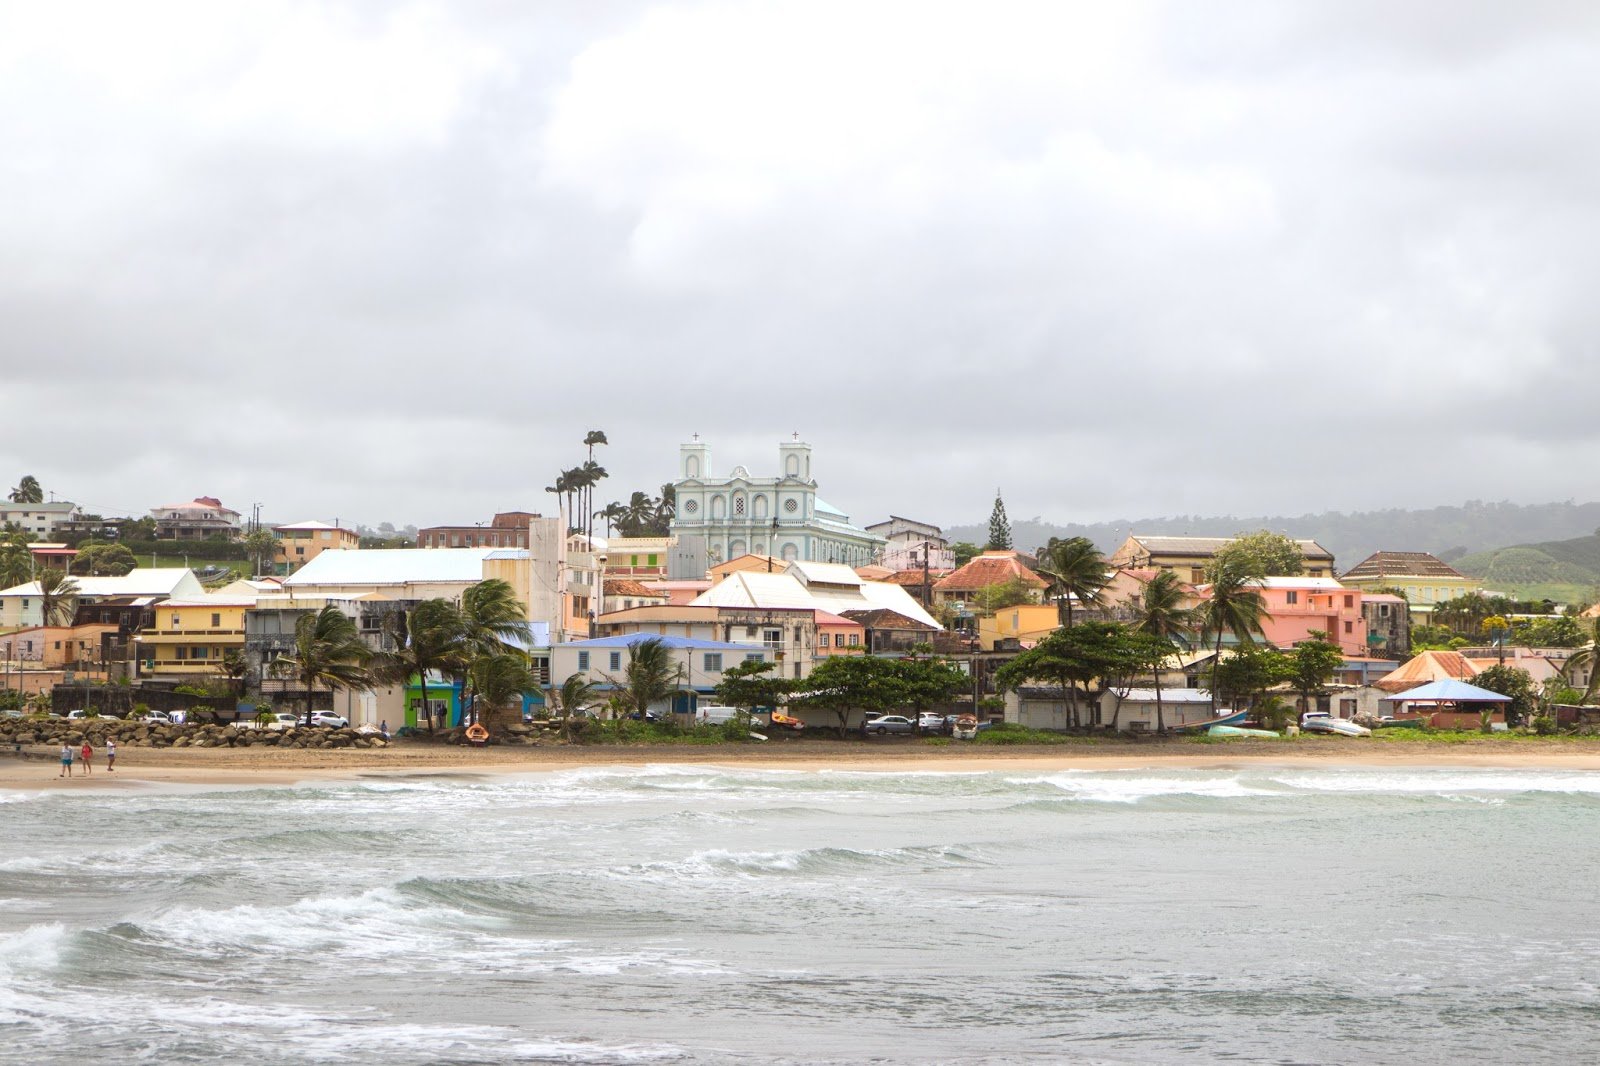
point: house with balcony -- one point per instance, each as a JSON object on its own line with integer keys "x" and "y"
{"x": 1188, "y": 557}
{"x": 1297, "y": 606}
{"x": 994, "y": 567}
{"x": 912, "y": 545}
{"x": 191, "y": 637}
{"x": 202, "y": 518}
{"x": 301, "y": 542}
{"x": 20, "y": 606}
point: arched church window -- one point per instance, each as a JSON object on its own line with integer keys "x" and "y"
{"x": 738, "y": 505}
{"x": 691, "y": 467}
{"x": 793, "y": 467}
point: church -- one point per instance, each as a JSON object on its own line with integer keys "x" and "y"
{"x": 780, "y": 516}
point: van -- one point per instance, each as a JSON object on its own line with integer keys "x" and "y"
{"x": 716, "y": 715}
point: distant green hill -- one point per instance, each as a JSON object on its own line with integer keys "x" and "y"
{"x": 1570, "y": 566}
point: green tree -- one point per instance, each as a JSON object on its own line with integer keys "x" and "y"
{"x": 236, "y": 668}
{"x": 1259, "y": 554}
{"x": 428, "y": 638}
{"x": 1139, "y": 654}
{"x": 1515, "y": 682}
{"x": 58, "y": 596}
{"x": 842, "y": 683}
{"x": 964, "y": 552}
{"x": 493, "y": 621}
{"x": 28, "y": 491}
{"x": 1248, "y": 672}
{"x": 1070, "y": 658}
{"x": 261, "y": 547}
{"x": 576, "y": 693}
{"x": 16, "y": 563}
{"x": 1076, "y": 571}
{"x": 1312, "y": 664}
{"x": 96, "y": 559}
{"x": 999, "y": 526}
{"x": 1586, "y": 658}
{"x": 1002, "y": 594}
{"x": 499, "y": 681}
{"x": 1557, "y": 631}
{"x": 327, "y": 651}
{"x": 612, "y": 513}
{"x": 593, "y": 473}
{"x": 1232, "y": 605}
{"x": 753, "y": 684}
{"x": 1464, "y": 615}
{"x": 1161, "y": 614}
{"x": 650, "y": 676}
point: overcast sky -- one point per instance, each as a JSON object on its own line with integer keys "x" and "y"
{"x": 390, "y": 262}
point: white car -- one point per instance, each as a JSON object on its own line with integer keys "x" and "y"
{"x": 329, "y": 719}
{"x": 283, "y": 720}
{"x": 157, "y": 718}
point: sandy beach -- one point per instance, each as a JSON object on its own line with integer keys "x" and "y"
{"x": 262, "y": 766}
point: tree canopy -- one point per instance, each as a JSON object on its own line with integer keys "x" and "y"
{"x": 753, "y": 684}
{"x": 1259, "y": 554}
{"x": 842, "y": 683}
{"x": 999, "y": 525}
{"x": 1312, "y": 664}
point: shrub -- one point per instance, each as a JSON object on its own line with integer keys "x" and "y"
{"x": 1544, "y": 725}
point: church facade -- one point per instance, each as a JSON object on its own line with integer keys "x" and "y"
{"x": 779, "y": 516}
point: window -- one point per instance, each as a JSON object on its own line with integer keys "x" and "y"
{"x": 182, "y": 652}
{"x": 650, "y": 560}
{"x": 1349, "y": 627}
{"x": 713, "y": 662}
{"x": 738, "y": 505}
{"x": 772, "y": 638}
{"x": 838, "y": 640}
{"x": 1197, "y": 574}
{"x": 1291, "y": 596}
{"x": 216, "y": 620}
{"x": 855, "y": 639}
{"x": 1383, "y": 610}
{"x": 755, "y": 657}
{"x": 300, "y": 551}
{"x": 616, "y": 660}
{"x": 583, "y": 660}
{"x": 1349, "y": 601}
{"x": 197, "y": 653}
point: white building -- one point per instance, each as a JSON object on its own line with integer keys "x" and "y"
{"x": 829, "y": 587}
{"x": 20, "y": 606}
{"x": 780, "y": 516}
{"x": 38, "y": 519}
{"x": 911, "y": 545}
{"x": 700, "y": 664}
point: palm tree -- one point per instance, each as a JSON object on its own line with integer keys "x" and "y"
{"x": 666, "y": 508}
{"x": 57, "y": 592}
{"x": 235, "y": 667}
{"x": 593, "y": 473}
{"x": 427, "y": 638}
{"x": 639, "y": 511}
{"x": 650, "y": 675}
{"x": 574, "y": 478}
{"x": 1161, "y": 614}
{"x": 1234, "y": 607}
{"x": 16, "y": 563}
{"x": 28, "y": 491}
{"x": 493, "y": 622}
{"x": 327, "y": 651}
{"x": 499, "y": 680}
{"x": 562, "y": 487}
{"x": 611, "y": 512}
{"x": 1077, "y": 571}
{"x": 1589, "y": 657}
{"x": 575, "y": 693}
{"x": 590, "y": 439}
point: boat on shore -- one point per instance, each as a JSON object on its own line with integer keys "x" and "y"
{"x": 1321, "y": 723}
{"x": 1234, "y": 718}
{"x": 1240, "y": 731}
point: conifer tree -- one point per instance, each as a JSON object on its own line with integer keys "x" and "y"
{"x": 999, "y": 526}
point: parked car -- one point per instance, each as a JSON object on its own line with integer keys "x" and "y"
{"x": 156, "y": 718}
{"x": 929, "y": 722}
{"x": 107, "y": 717}
{"x": 716, "y": 715}
{"x": 78, "y": 713}
{"x": 890, "y": 723}
{"x": 11, "y": 712}
{"x": 283, "y": 720}
{"x": 329, "y": 719}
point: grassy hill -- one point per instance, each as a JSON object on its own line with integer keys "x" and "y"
{"x": 1564, "y": 570}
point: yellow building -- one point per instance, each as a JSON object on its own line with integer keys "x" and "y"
{"x": 1188, "y": 557}
{"x": 302, "y": 542}
{"x": 1424, "y": 579}
{"x": 1027, "y": 622}
{"x": 191, "y": 637}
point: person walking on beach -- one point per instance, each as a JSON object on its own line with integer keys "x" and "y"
{"x": 111, "y": 754}
{"x": 66, "y": 760}
{"x": 85, "y": 755}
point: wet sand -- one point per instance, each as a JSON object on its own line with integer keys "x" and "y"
{"x": 226, "y": 767}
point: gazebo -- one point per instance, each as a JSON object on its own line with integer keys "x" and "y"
{"x": 1451, "y": 692}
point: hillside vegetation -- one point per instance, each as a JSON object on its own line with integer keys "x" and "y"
{"x": 1572, "y": 564}
{"x": 1452, "y": 533}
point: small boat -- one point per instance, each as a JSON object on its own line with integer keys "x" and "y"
{"x": 1239, "y": 731}
{"x": 1235, "y": 718}
{"x": 1328, "y": 724}
{"x": 966, "y": 727}
{"x": 1402, "y": 723}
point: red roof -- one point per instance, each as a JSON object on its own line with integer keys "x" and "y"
{"x": 625, "y": 586}
{"x": 990, "y": 568}
{"x": 913, "y": 578}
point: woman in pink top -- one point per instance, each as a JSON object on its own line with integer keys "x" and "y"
{"x": 86, "y": 754}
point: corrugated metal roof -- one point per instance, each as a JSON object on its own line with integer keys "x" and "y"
{"x": 758, "y": 589}
{"x": 1210, "y": 545}
{"x": 392, "y": 566}
{"x": 143, "y": 581}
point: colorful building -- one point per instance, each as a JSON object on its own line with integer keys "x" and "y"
{"x": 302, "y": 542}
{"x": 193, "y": 636}
{"x": 1423, "y": 579}
{"x": 1189, "y": 556}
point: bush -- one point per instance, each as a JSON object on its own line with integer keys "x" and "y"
{"x": 1544, "y": 725}
{"x": 1010, "y": 733}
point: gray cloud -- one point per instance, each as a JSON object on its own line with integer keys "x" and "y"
{"x": 390, "y": 263}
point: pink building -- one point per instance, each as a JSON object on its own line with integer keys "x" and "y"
{"x": 1298, "y": 605}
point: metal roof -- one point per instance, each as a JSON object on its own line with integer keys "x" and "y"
{"x": 142, "y": 581}
{"x": 758, "y": 589}
{"x": 393, "y": 566}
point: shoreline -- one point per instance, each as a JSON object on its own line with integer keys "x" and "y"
{"x": 228, "y": 767}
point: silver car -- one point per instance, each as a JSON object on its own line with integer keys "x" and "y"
{"x": 890, "y": 723}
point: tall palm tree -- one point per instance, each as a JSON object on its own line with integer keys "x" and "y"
{"x": 28, "y": 491}
{"x": 426, "y": 639}
{"x": 562, "y": 487}
{"x": 57, "y": 596}
{"x": 590, "y": 439}
{"x": 1077, "y": 571}
{"x": 640, "y": 509}
{"x": 1161, "y": 614}
{"x": 593, "y": 473}
{"x": 611, "y": 512}
{"x": 500, "y": 679}
{"x": 1234, "y": 607}
{"x": 574, "y": 478}
{"x": 650, "y": 675}
{"x": 327, "y": 651}
{"x": 493, "y": 622}
{"x": 16, "y": 563}
{"x": 666, "y": 508}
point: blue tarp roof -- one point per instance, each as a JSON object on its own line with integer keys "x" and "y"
{"x": 1449, "y": 691}
{"x": 629, "y": 639}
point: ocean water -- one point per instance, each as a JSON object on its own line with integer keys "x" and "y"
{"x": 704, "y": 915}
